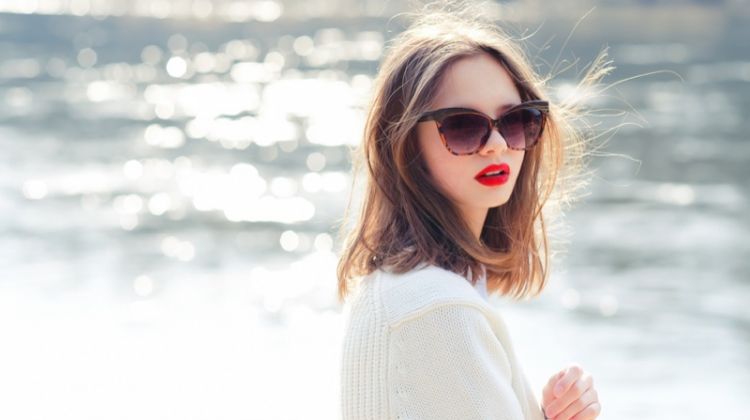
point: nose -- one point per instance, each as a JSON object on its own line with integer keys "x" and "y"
{"x": 495, "y": 143}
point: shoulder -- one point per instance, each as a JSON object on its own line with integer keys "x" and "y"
{"x": 408, "y": 295}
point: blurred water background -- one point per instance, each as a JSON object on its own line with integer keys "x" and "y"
{"x": 172, "y": 174}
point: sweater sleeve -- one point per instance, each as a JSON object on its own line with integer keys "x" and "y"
{"x": 447, "y": 363}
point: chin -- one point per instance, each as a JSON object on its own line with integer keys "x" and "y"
{"x": 502, "y": 200}
{"x": 499, "y": 204}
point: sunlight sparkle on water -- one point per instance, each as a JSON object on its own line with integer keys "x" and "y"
{"x": 217, "y": 98}
{"x": 143, "y": 285}
{"x": 22, "y": 68}
{"x": 34, "y": 189}
{"x": 229, "y": 10}
{"x": 282, "y": 210}
{"x": 289, "y": 240}
{"x": 159, "y": 203}
{"x": 323, "y": 242}
{"x": 128, "y": 203}
{"x": 608, "y": 305}
{"x": 253, "y": 72}
{"x": 316, "y": 161}
{"x": 178, "y": 249}
{"x": 284, "y": 187}
{"x": 132, "y": 169}
{"x": 177, "y": 67}
{"x": 101, "y": 90}
{"x": 87, "y": 57}
{"x": 340, "y": 127}
{"x": 164, "y": 137}
{"x": 239, "y": 194}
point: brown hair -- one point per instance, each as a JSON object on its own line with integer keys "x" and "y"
{"x": 404, "y": 220}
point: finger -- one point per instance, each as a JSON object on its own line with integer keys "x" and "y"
{"x": 547, "y": 394}
{"x": 578, "y": 406}
{"x": 589, "y": 413}
{"x": 554, "y": 378}
{"x": 572, "y": 373}
{"x": 575, "y": 392}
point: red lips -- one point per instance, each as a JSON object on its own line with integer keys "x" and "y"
{"x": 495, "y": 179}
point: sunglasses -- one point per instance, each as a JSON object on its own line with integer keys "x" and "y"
{"x": 465, "y": 131}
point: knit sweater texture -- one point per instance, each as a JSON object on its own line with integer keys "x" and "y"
{"x": 427, "y": 345}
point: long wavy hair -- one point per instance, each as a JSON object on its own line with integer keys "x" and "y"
{"x": 404, "y": 219}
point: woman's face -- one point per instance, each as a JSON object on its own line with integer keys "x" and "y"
{"x": 481, "y": 83}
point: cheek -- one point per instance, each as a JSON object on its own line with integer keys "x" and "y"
{"x": 518, "y": 161}
{"x": 428, "y": 138}
{"x": 518, "y": 157}
{"x": 443, "y": 167}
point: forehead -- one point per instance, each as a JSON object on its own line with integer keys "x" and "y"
{"x": 478, "y": 82}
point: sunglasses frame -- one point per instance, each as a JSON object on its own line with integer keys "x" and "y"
{"x": 439, "y": 114}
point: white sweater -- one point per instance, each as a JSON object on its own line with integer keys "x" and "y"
{"x": 427, "y": 345}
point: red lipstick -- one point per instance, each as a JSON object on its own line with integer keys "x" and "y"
{"x": 493, "y": 175}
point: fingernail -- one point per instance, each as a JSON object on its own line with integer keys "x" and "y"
{"x": 558, "y": 390}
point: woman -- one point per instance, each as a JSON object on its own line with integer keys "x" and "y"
{"x": 462, "y": 151}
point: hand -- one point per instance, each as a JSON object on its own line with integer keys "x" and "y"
{"x": 570, "y": 395}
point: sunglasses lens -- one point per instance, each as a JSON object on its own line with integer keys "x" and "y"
{"x": 464, "y": 133}
{"x": 521, "y": 128}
